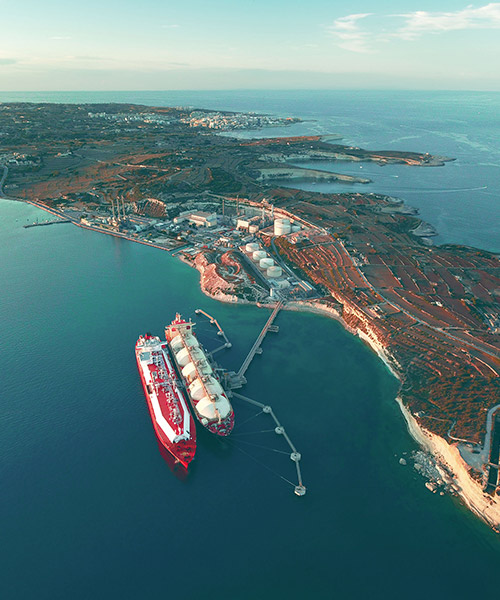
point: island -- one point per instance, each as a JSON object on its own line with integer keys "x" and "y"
{"x": 179, "y": 180}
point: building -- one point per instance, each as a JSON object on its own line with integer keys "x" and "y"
{"x": 250, "y": 224}
{"x": 201, "y": 218}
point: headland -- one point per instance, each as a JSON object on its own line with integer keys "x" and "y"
{"x": 162, "y": 177}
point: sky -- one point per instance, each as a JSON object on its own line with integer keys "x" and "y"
{"x": 255, "y": 44}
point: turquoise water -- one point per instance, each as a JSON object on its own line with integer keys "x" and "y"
{"x": 89, "y": 508}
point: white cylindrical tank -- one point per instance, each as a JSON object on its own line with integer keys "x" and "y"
{"x": 251, "y": 247}
{"x": 282, "y": 226}
{"x": 274, "y": 272}
{"x": 283, "y": 284}
{"x": 265, "y": 263}
{"x": 258, "y": 254}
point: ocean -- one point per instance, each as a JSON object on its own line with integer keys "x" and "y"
{"x": 89, "y": 507}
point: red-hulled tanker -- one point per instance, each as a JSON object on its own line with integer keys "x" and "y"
{"x": 172, "y": 421}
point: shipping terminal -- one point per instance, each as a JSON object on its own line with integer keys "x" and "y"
{"x": 182, "y": 362}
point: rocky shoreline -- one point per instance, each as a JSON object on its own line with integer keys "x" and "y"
{"x": 446, "y": 455}
{"x": 299, "y": 173}
{"x": 451, "y": 465}
{"x": 484, "y": 506}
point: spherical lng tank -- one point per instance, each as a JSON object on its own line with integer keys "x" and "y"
{"x": 258, "y": 254}
{"x": 251, "y": 247}
{"x": 282, "y": 226}
{"x": 265, "y": 263}
{"x": 274, "y": 272}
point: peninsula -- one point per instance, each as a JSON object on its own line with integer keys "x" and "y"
{"x": 163, "y": 177}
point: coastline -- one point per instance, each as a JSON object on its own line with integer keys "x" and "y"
{"x": 485, "y": 507}
{"x": 101, "y": 510}
{"x": 118, "y": 235}
{"x": 447, "y": 456}
{"x": 294, "y": 173}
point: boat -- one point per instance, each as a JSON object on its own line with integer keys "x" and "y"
{"x": 208, "y": 398}
{"x": 172, "y": 421}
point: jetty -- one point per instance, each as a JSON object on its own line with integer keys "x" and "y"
{"x": 300, "y": 488}
{"x": 213, "y": 321}
{"x": 234, "y": 381}
{"x": 42, "y": 223}
{"x": 256, "y": 348}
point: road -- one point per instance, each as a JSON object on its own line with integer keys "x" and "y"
{"x": 347, "y": 267}
{"x": 2, "y": 180}
{"x": 286, "y": 268}
{"x": 489, "y": 431}
{"x": 465, "y": 338}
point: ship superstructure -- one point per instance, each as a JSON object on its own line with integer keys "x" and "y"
{"x": 207, "y": 396}
{"x": 172, "y": 421}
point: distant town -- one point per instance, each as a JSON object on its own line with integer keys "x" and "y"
{"x": 165, "y": 178}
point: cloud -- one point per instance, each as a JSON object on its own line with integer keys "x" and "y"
{"x": 8, "y": 61}
{"x": 363, "y": 32}
{"x": 173, "y": 26}
{"x": 421, "y": 22}
{"x": 60, "y": 37}
{"x": 348, "y": 33}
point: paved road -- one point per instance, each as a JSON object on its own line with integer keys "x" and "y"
{"x": 2, "y": 180}
{"x": 489, "y": 430}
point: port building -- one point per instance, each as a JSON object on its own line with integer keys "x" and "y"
{"x": 198, "y": 218}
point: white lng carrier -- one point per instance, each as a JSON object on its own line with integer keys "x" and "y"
{"x": 210, "y": 403}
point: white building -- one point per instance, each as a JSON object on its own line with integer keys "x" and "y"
{"x": 202, "y": 219}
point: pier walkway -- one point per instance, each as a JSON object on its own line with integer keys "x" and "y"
{"x": 213, "y": 321}
{"x": 42, "y": 223}
{"x": 234, "y": 381}
{"x": 300, "y": 488}
{"x": 256, "y": 349}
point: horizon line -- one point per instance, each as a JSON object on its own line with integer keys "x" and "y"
{"x": 253, "y": 89}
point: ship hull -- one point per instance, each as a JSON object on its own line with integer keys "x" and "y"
{"x": 182, "y": 451}
{"x": 223, "y": 428}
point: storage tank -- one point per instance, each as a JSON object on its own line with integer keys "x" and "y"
{"x": 283, "y": 284}
{"x": 265, "y": 263}
{"x": 282, "y": 226}
{"x": 183, "y": 357}
{"x": 274, "y": 272}
{"x": 251, "y": 247}
{"x": 258, "y": 254}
